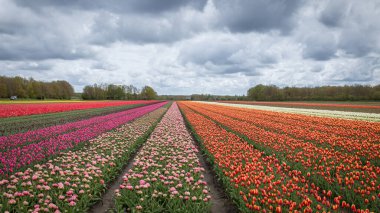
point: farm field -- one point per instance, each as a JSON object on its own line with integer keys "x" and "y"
{"x": 166, "y": 173}
{"x": 277, "y": 161}
{"x": 335, "y": 113}
{"x": 370, "y": 107}
{"x": 12, "y": 125}
{"x": 75, "y": 177}
{"x": 205, "y": 106}
{"x": 150, "y": 156}
{"x": 22, "y": 109}
{"x": 33, "y": 101}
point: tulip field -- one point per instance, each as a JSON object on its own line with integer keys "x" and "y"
{"x": 186, "y": 156}
{"x": 12, "y": 125}
{"x": 12, "y": 110}
{"x": 321, "y": 111}
{"x": 275, "y": 161}
{"x": 342, "y": 106}
{"x": 166, "y": 173}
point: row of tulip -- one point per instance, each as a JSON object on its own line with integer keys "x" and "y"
{"x": 13, "y": 125}
{"x": 315, "y": 112}
{"x": 331, "y": 121}
{"x": 12, "y": 110}
{"x": 257, "y": 182}
{"x": 166, "y": 173}
{"x": 36, "y": 101}
{"x": 55, "y": 139}
{"x": 345, "y": 175}
{"x": 74, "y": 180}
{"x": 354, "y": 137}
{"x": 25, "y": 138}
{"x": 353, "y": 128}
{"x": 307, "y": 104}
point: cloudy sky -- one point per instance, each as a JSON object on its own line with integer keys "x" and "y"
{"x": 192, "y": 46}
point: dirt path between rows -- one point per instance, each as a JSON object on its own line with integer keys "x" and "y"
{"x": 220, "y": 203}
{"x": 106, "y": 203}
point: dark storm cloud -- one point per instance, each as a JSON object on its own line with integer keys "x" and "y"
{"x": 359, "y": 42}
{"x": 118, "y": 6}
{"x": 334, "y": 13}
{"x": 320, "y": 47}
{"x": 260, "y": 15}
{"x": 38, "y": 45}
{"x": 25, "y": 35}
{"x": 357, "y": 24}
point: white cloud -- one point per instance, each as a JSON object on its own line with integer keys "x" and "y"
{"x": 192, "y": 46}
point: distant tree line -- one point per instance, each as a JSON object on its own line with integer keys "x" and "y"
{"x": 173, "y": 97}
{"x": 324, "y": 93}
{"x": 30, "y": 88}
{"x": 118, "y": 92}
{"x": 202, "y": 97}
{"x": 209, "y": 97}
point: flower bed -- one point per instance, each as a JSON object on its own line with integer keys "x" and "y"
{"x": 14, "y": 125}
{"x": 375, "y": 117}
{"x": 339, "y": 179}
{"x": 73, "y": 180}
{"x": 166, "y": 174}
{"x": 11, "y": 110}
{"x": 334, "y": 106}
{"x": 357, "y": 138}
{"x": 55, "y": 139}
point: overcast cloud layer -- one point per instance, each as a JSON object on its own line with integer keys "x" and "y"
{"x": 192, "y": 46}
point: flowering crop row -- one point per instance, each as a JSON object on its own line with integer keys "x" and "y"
{"x": 36, "y": 101}
{"x": 315, "y": 112}
{"x": 166, "y": 174}
{"x": 11, "y": 110}
{"x": 53, "y": 141}
{"x": 306, "y": 104}
{"x": 74, "y": 180}
{"x": 256, "y": 181}
{"x": 12, "y": 141}
{"x": 13, "y": 125}
{"x": 344, "y": 174}
{"x": 354, "y": 137}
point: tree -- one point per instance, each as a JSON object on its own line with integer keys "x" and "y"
{"x": 148, "y": 93}
{"x": 324, "y": 93}
{"x": 110, "y": 92}
{"x": 30, "y": 88}
{"x": 95, "y": 92}
{"x": 3, "y": 89}
{"x": 19, "y": 87}
{"x": 116, "y": 92}
{"x": 256, "y": 93}
{"x": 131, "y": 92}
{"x": 67, "y": 89}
